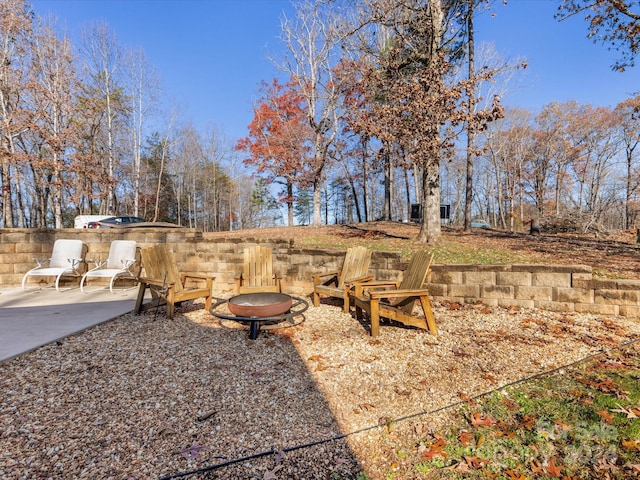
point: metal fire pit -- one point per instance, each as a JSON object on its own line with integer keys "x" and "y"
{"x": 261, "y": 308}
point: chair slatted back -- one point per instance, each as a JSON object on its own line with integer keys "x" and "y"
{"x": 120, "y": 253}
{"x": 258, "y": 267}
{"x": 414, "y": 277}
{"x": 356, "y": 264}
{"x": 159, "y": 264}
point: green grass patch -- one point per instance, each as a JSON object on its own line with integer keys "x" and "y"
{"x": 581, "y": 422}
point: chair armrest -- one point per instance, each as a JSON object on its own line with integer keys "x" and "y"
{"x": 128, "y": 263}
{"x": 317, "y": 278}
{"x": 184, "y": 277}
{"x": 361, "y": 287}
{"x": 40, "y": 262}
{"x": 155, "y": 283}
{"x": 197, "y": 276}
{"x": 74, "y": 263}
{"x": 96, "y": 261}
{"x": 363, "y": 279}
{"x": 398, "y": 293}
{"x": 326, "y": 277}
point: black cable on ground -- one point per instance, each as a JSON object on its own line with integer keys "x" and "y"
{"x": 216, "y": 466}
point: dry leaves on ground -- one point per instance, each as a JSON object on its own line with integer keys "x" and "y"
{"x": 146, "y": 397}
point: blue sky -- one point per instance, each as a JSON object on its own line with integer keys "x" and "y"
{"x": 211, "y": 55}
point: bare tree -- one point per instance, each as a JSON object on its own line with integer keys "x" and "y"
{"x": 143, "y": 91}
{"x": 15, "y": 32}
{"x": 103, "y": 61}
{"x": 629, "y": 130}
{"x": 311, "y": 40}
{"x": 53, "y": 94}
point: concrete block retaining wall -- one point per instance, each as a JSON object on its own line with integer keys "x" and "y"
{"x": 564, "y": 288}
{"x": 561, "y": 288}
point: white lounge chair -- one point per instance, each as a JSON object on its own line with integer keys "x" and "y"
{"x": 66, "y": 257}
{"x": 122, "y": 257}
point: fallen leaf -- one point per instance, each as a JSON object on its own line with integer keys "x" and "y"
{"x": 605, "y": 416}
{"x": 431, "y": 452}
{"x": 464, "y": 437}
{"x": 206, "y": 415}
{"x": 271, "y": 474}
{"x": 460, "y": 353}
{"x": 631, "y": 445}
{"x": 514, "y": 475}
{"x": 479, "y": 420}
{"x": 552, "y": 469}
{"x": 193, "y": 451}
{"x": 476, "y": 462}
{"x": 490, "y": 378}
{"x": 279, "y": 456}
{"x": 536, "y": 466}
{"x": 488, "y": 474}
{"x": 528, "y": 422}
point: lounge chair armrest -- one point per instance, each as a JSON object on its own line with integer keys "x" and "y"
{"x": 74, "y": 263}
{"x": 398, "y": 293}
{"x": 41, "y": 262}
{"x": 96, "y": 261}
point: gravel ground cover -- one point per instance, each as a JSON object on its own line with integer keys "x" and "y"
{"x": 147, "y": 397}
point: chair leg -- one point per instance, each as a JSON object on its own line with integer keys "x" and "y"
{"x": 345, "y": 305}
{"x": 375, "y": 317}
{"x": 171, "y": 302}
{"x": 358, "y": 311}
{"x": 428, "y": 314}
{"x": 316, "y": 299}
{"x": 141, "y": 290}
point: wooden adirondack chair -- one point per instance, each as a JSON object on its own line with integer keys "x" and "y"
{"x": 337, "y": 284}
{"x": 167, "y": 283}
{"x": 258, "y": 275}
{"x": 396, "y": 300}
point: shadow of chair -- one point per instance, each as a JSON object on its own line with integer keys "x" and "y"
{"x": 66, "y": 259}
{"x": 337, "y": 283}
{"x": 396, "y": 300}
{"x": 167, "y": 284}
{"x": 119, "y": 264}
{"x": 258, "y": 274}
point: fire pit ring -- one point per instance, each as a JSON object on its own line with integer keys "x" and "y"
{"x": 261, "y": 308}
{"x": 260, "y": 305}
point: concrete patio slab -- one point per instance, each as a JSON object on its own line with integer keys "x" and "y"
{"x": 38, "y": 316}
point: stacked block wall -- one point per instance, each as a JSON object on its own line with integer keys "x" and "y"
{"x": 566, "y": 288}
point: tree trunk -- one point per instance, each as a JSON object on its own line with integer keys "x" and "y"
{"x": 430, "y": 229}
{"x": 470, "y": 126}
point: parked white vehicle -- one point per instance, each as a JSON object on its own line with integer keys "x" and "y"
{"x": 81, "y": 221}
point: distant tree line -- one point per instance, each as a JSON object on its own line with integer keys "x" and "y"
{"x": 381, "y": 104}
{"x": 388, "y": 104}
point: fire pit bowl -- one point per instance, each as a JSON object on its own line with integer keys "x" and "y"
{"x": 270, "y": 309}
{"x": 262, "y": 304}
